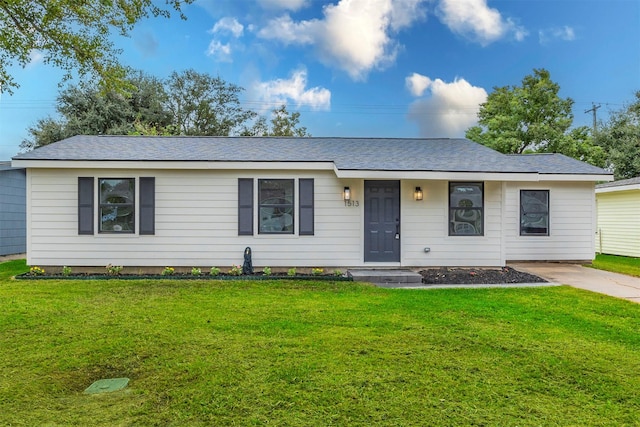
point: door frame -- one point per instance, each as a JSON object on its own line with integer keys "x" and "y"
{"x": 397, "y": 250}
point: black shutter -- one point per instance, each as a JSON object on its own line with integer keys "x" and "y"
{"x": 147, "y": 205}
{"x": 245, "y": 206}
{"x": 85, "y": 205}
{"x": 305, "y": 188}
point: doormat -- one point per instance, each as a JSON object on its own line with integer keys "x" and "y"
{"x": 107, "y": 385}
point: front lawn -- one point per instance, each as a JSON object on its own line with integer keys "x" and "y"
{"x": 617, "y": 264}
{"x": 313, "y": 354}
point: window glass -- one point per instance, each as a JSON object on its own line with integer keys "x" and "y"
{"x": 275, "y": 199}
{"x": 466, "y": 208}
{"x": 116, "y": 209}
{"x": 534, "y": 212}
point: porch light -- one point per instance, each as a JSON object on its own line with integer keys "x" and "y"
{"x": 417, "y": 195}
{"x": 347, "y": 193}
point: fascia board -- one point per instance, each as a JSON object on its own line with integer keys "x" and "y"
{"x": 182, "y": 165}
{"x": 633, "y": 187}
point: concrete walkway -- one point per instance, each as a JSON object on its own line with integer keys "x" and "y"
{"x": 604, "y": 282}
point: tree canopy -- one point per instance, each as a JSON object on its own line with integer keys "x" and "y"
{"x": 72, "y": 35}
{"x": 187, "y": 103}
{"x": 620, "y": 138}
{"x": 532, "y": 117}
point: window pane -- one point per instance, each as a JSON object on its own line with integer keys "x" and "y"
{"x": 534, "y": 212}
{"x": 276, "y": 206}
{"x": 466, "y": 209}
{"x": 116, "y": 210}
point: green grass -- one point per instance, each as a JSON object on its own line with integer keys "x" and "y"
{"x": 617, "y": 264}
{"x": 246, "y": 353}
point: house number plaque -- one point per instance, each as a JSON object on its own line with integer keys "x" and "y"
{"x": 352, "y": 203}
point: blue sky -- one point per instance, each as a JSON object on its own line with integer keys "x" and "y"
{"x": 384, "y": 68}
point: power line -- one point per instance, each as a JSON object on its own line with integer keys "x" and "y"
{"x": 594, "y": 109}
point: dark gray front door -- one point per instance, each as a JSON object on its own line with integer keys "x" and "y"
{"x": 382, "y": 221}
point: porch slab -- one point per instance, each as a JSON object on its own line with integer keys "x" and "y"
{"x": 403, "y": 277}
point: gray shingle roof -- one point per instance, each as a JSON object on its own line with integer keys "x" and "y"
{"x": 385, "y": 154}
{"x": 630, "y": 181}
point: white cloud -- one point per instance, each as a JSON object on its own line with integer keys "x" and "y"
{"x": 222, "y": 52}
{"x": 474, "y": 19}
{"x": 417, "y": 83}
{"x": 228, "y": 25}
{"x": 283, "y": 4}
{"x": 450, "y": 110}
{"x": 565, "y": 33}
{"x": 294, "y": 89}
{"x": 35, "y": 57}
{"x": 354, "y": 35}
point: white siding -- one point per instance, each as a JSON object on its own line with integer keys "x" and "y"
{"x": 571, "y": 223}
{"x": 618, "y": 223}
{"x": 196, "y": 224}
{"x": 425, "y": 225}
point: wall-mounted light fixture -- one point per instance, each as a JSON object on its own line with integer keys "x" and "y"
{"x": 347, "y": 193}
{"x": 418, "y": 195}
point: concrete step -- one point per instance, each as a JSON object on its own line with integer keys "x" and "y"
{"x": 385, "y": 276}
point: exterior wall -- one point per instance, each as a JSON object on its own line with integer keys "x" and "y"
{"x": 196, "y": 223}
{"x": 196, "y": 220}
{"x": 13, "y": 231}
{"x": 571, "y": 223}
{"x": 425, "y": 224}
{"x": 618, "y": 223}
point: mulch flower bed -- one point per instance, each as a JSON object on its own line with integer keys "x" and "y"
{"x": 477, "y": 276}
{"x": 183, "y": 276}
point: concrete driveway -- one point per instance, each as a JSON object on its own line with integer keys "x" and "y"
{"x": 604, "y": 282}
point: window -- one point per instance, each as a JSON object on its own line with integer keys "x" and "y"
{"x": 466, "y": 208}
{"x": 116, "y": 209}
{"x": 117, "y": 204}
{"x": 275, "y": 206}
{"x": 534, "y": 212}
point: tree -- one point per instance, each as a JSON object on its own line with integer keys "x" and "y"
{"x": 85, "y": 109}
{"x": 620, "y": 138}
{"x": 204, "y": 105}
{"x": 283, "y": 123}
{"x": 532, "y": 118}
{"x": 72, "y": 35}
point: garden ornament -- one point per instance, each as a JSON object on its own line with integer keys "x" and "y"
{"x": 247, "y": 267}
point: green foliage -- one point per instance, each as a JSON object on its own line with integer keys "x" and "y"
{"x": 283, "y": 123}
{"x": 113, "y": 270}
{"x": 195, "y": 271}
{"x": 291, "y": 272}
{"x": 533, "y": 118}
{"x": 235, "y": 270}
{"x": 86, "y": 110}
{"x": 620, "y": 138}
{"x": 188, "y": 103}
{"x": 168, "y": 271}
{"x": 204, "y": 105}
{"x": 214, "y": 271}
{"x": 316, "y": 271}
{"x": 71, "y": 35}
{"x": 266, "y": 271}
{"x": 345, "y": 354}
{"x": 617, "y": 264}
{"x": 66, "y": 271}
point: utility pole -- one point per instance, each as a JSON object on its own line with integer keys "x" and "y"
{"x": 593, "y": 110}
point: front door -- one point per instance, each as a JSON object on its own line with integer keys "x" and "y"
{"x": 382, "y": 221}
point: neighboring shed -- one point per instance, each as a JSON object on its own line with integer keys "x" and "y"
{"x": 303, "y": 202}
{"x": 618, "y": 212}
{"x": 13, "y": 208}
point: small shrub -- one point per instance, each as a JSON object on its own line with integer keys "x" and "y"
{"x": 235, "y": 270}
{"x": 317, "y": 271}
{"x": 337, "y": 272}
{"x": 66, "y": 271}
{"x": 36, "y": 271}
{"x": 113, "y": 270}
{"x": 195, "y": 271}
{"x": 291, "y": 272}
{"x": 266, "y": 271}
{"x": 215, "y": 271}
{"x": 168, "y": 271}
